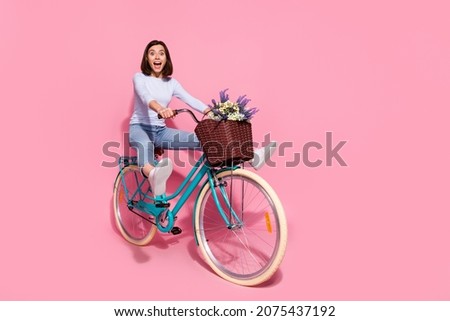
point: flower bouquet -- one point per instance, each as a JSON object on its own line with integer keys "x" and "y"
{"x": 225, "y": 109}
{"x": 226, "y": 135}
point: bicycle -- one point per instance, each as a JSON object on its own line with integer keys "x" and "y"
{"x": 239, "y": 221}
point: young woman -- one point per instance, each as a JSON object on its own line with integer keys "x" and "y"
{"x": 153, "y": 90}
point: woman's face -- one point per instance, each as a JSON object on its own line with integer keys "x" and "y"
{"x": 157, "y": 59}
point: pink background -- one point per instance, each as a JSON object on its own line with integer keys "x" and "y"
{"x": 376, "y": 75}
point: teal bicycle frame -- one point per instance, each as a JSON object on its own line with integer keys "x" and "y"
{"x": 160, "y": 203}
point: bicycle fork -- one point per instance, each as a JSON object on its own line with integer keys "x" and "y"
{"x": 231, "y": 219}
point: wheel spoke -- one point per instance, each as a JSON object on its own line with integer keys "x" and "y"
{"x": 246, "y": 247}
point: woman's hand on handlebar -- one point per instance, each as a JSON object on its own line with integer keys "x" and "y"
{"x": 166, "y": 113}
{"x": 183, "y": 110}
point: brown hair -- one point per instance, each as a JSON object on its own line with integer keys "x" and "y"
{"x": 145, "y": 65}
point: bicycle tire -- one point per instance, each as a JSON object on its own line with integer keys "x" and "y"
{"x": 134, "y": 225}
{"x": 251, "y": 253}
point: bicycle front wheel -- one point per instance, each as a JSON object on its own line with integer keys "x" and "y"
{"x": 129, "y": 188}
{"x": 250, "y": 250}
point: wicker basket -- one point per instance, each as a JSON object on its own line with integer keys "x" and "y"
{"x": 225, "y": 142}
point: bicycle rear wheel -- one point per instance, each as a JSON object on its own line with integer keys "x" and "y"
{"x": 129, "y": 188}
{"x": 249, "y": 252}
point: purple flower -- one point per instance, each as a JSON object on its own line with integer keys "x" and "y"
{"x": 224, "y": 96}
{"x": 220, "y": 112}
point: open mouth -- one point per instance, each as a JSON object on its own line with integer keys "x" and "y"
{"x": 157, "y": 64}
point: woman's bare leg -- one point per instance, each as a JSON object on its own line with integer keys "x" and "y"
{"x": 147, "y": 169}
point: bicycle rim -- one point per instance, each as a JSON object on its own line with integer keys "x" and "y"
{"x": 250, "y": 252}
{"x": 134, "y": 225}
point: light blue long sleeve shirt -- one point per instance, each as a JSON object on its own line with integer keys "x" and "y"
{"x": 162, "y": 90}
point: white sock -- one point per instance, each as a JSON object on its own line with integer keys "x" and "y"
{"x": 158, "y": 176}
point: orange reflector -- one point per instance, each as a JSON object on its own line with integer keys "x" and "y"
{"x": 121, "y": 196}
{"x": 268, "y": 224}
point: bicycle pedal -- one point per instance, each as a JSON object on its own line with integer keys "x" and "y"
{"x": 176, "y": 230}
{"x": 162, "y": 204}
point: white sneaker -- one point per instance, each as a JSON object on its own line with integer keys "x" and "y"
{"x": 262, "y": 155}
{"x": 158, "y": 176}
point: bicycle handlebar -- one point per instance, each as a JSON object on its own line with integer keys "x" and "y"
{"x": 184, "y": 110}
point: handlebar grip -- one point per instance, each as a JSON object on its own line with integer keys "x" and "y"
{"x": 175, "y": 112}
